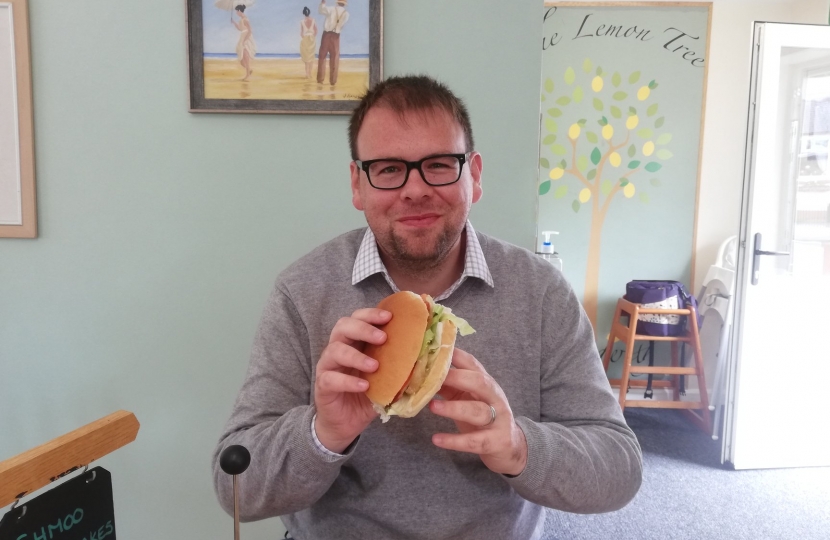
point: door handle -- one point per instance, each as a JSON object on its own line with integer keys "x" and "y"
{"x": 757, "y": 252}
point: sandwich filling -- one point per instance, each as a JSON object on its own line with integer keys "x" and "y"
{"x": 430, "y": 348}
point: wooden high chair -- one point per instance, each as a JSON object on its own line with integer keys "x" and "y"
{"x": 627, "y": 333}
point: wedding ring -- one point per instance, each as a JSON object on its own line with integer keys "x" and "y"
{"x": 492, "y": 416}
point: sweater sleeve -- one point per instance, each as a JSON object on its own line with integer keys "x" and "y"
{"x": 272, "y": 418}
{"x": 582, "y": 456}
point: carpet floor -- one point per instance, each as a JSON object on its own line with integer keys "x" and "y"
{"x": 687, "y": 494}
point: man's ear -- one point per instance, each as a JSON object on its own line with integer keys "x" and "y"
{"x": 355, "y": 175}
{"x": 476, "y": 166}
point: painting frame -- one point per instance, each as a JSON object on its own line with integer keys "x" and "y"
{"x": 198, "y": 103}
{"x": 20, "y": 84}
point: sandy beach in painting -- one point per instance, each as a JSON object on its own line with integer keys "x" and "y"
{"x": 283, "y": 78}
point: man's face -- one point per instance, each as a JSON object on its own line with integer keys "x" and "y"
{"x": 416, "y": 225}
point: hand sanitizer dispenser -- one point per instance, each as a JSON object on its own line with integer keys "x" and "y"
{"x": 547, "y": 252}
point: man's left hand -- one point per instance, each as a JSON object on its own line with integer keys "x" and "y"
{"x": 469, "y": 392}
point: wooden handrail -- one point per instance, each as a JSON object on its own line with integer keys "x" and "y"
{"x": 35, "y": 468}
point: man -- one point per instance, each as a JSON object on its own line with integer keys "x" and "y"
{"x": 320, "y": 457}
{"x": 336, "y": 18}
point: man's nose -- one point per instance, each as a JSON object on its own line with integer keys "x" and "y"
{"x": 415, "y": 185}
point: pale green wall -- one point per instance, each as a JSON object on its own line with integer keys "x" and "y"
{"x": 161, "y": 231}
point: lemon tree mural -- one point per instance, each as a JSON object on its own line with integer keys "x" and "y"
{"x": 612, "y": 156}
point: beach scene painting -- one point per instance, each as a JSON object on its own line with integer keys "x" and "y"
{"x": 282, "y": 56}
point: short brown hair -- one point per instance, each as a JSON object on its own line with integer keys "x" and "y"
{"x": 410, "y": 93}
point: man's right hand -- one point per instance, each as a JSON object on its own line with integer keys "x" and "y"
{"x": 343, "y": 410}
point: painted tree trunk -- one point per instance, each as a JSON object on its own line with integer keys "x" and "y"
{"x": 591, "y": 295}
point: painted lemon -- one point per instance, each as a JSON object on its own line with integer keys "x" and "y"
{"x": 607, "y": 131}
{"x": 643, "y": 93}
{"x": 585, "y": 195}
{"x": 574, "y": 131}
{"x": 628, "y": 190}
{"x": 632, "y": 121}
{"x": 615, "y": 159}
{"x": 648, "y": 148}
{"x": 597, "y": 83}
{"x": 556, "y": 173}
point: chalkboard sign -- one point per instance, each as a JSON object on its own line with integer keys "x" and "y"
{"x": 80, "y": 509}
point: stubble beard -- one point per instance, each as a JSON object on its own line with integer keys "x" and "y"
{"x": 421, "y": 263}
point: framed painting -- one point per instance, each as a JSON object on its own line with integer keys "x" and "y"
{"x": 623, "y": 93}
{"x": 17, "y": 161}
{"x": 291, "y": 56}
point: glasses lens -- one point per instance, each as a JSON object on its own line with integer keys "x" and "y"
{"x": 442, "y": 170}
{"x": 387, "y": 174}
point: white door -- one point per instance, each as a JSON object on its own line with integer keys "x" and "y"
{"x": 778, "y": 412}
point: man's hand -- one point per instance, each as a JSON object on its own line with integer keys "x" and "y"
{"x": 343, "y": 410}
{"x": 468, "y": 393}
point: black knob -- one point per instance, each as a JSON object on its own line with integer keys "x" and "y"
{"x": 235, "y": 459}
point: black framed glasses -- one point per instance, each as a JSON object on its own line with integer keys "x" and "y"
{"x": 437, "y": 170}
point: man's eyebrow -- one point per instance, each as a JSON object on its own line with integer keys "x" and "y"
{"x": 415, "y": 160}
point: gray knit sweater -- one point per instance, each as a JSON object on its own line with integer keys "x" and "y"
{"x": 534, "y": 339}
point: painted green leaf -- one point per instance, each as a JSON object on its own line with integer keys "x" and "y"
{"x": 664, "y": 154}
{"x": 544, "y": 163}
{"x": 659, "y": 122}
{"x": 606, "y": 187}
{"x": 558, "y": 149}
{"x": 548, "y": 85}
{"x": 623, "y": 182}
{"x": 652, "y": 85}
{"x": 653, "y": 166}
{"x": 644, "y": 197}
{"x": 564, "y": 100}
{"x": 592, "y": 137}
{"x": 581, "y": 122}
{"x": 604, "y": 121}
{"x": 550, "y": 139}
{"x": 632, "y": 111}
{"x": 592, "y": 174}
{"x": 652, "y": 109}
{"x": 550, "y": 125}
{"x": 655, "y": 182}
{"x": 555, "y": 112}
{"x": 616, "y": 80}
{"x": 615, "y": 111}
{"x": 570, "y": 75}
{"x": 563, "y": 164}
{"x": 634, "y": 77}
{"x": 665, "y": 138}
{"x": 633, "y": 164}
{"x": 596, "y": 155}
{"x": 582, "y": 163}
{"x": 544, "y": 187}
{"x": 575, "y": 205}
{"x": 587, "y": 66}
{"x": 578, "y": 94}
{"x": 561, "y": 191}
{"x": 632, "y": 150}
{"x": 599, "y": 71}
{"x": 645, "y": 133}
{"x": 598, "y": 104}
{"x": 619, "y": 96}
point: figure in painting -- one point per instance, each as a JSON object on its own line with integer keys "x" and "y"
{"x": 336, "y": 18}
{"x": 308, "y": 37}
{"x": 246, "y": 46}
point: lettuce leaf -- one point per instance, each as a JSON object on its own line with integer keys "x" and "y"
{"x": 439, "y": 315}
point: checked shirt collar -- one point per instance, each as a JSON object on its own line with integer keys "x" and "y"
{"x": 368, "y": 263}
